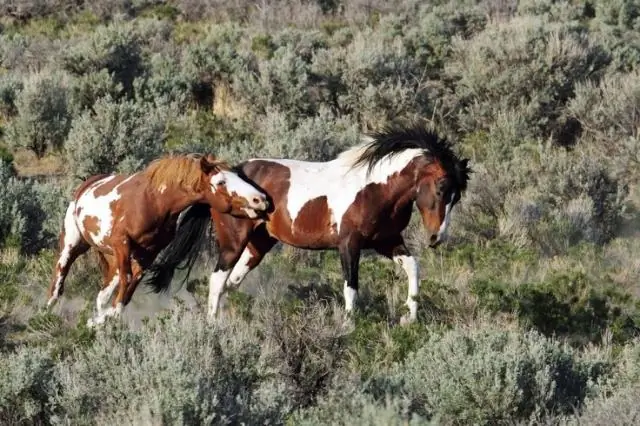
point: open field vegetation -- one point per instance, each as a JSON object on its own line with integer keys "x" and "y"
{"x": 529, "y": 314}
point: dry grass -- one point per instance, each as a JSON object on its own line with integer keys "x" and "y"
{"x": 27, "y": 164}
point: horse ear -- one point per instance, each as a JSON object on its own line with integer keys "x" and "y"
{"x": 464, "y": 165}
{"x": 206, "y": 165}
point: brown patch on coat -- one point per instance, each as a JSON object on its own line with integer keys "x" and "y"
{"x": 313, "y": 223}
{"x": 87, "y": 183}
{"x": 273, "y": 178}
{"x": 106, "y": 187}
{"x": 91, "y": 225}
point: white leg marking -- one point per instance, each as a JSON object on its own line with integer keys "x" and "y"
{"x": 350, "y": 295}
{"x": 217, "y": 282}
{"x": 72, "y": 238}
{"x": 105, "y": 294}
{"x": 241, "y": 269}
{"x": 410, "y": 266}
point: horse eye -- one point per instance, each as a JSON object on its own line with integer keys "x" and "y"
{"x": 222, "y": 182}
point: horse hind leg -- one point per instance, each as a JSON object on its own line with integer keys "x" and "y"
{"x": 252, "y": 255}
{"x": 71, "y": 245}
{"x": 259, "y": 245}
{"x": 111, "y": 280}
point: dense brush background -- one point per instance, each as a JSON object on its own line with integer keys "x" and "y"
{"x": 530, "y": 313}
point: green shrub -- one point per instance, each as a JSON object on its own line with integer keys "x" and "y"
{"x": 533, "y": 69}
{"x": 115, "y": 47}
{"x": 43, "y": 118}
{"x": 117, "y": 136}
{"x": 27, "y": 382}
{"x": 179, "y": 368}
{"x": 306, "y": 342}
{"x": 490, "y": 376}
{"x": 568, "y": 305}
{"x": 28, "y": 211}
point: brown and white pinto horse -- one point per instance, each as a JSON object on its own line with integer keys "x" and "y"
{"x": 363, "y": 199}
{"x": 129, "y": 219}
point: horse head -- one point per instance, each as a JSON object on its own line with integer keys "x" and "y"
{"x": 227, "y": 192}
{"x": 439, "y": 188}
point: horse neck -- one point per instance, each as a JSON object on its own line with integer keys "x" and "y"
{"x": 173, "y": 199}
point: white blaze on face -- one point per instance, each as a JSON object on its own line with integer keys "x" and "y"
{"x": 235, "y": 185}
{"x": 100, "y": 207}
{"x": 336, "y": 180}
{"x": 442, "y": 232}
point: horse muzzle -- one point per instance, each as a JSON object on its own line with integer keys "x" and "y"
{"x": 434, "y": 241}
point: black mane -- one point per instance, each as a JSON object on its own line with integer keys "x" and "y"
{"x": 393, "y": 140}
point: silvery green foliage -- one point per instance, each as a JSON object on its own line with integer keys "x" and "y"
{"x": 217, "y": 55}
{"x": 167, "y": 80}
{"x": 374, "y": 77}
{"x": 85, "y": 90}
{"x": 534, "y": 69}
{"x": 25, "y": 386}
{"x": 116, "y": 47}
{"x": 281, "y": 81}
{"x": 617, "y": 409}
{"x": 348, "y": 404}
{"x": 10, "y": 87}
{"x": 609, "y": 113}
{"x": 180, "y": 369}
{"x": 29, "y": 211}
{"x": 44, "y": 117}
{"x": 306, "y": 345}
{"x": 118, "y": 136}
{"x": 12, "y": 49}
{"x": 490, "y": 376}
{"x": 317, "y": 138}
{"x": 544, "y": 195}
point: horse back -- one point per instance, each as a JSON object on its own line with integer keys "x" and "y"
{"x": 88, "y": 182}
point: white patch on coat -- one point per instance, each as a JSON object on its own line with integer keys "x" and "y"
{"x": 162, "y": 188}
{"x": 99, "y": 207}
{"x": 410, "y": 266}
{"x": 442, "y": 232}
{"x": 241, "y": 269}
{"x": 217, "y": 282}
{"x": 337, "y": 180}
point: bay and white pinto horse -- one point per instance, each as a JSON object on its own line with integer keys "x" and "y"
{"x": 363, "y": 199}
{"x": 128, "y": 220}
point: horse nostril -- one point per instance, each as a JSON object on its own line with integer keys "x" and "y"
{"x": 256, "y": 200}
{"x": 433, "y": 239}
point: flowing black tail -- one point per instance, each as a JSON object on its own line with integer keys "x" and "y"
{"x": 194, "y": 234}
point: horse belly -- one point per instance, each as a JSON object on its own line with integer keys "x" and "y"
{"x": 314, "y": 226}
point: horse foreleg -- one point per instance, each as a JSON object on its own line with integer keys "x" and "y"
{"x": 133, "y": 284}
{"x": 397, "y": 250}
{"x": 71, "y": 245}
{"x": 349, "y": 249}
{"x": 123, "y": 260}
{"x": 259, "y": 245}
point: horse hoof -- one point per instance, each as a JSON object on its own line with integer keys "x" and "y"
{"x": 406, "y": 320}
